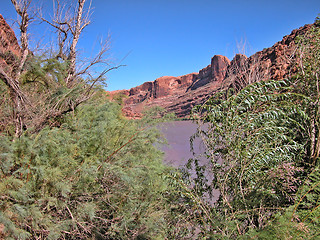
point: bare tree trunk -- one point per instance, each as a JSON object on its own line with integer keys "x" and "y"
{"x": 18, "y": 97}
{"x": 76, "y": 31}
{"x": 21, "y": 9}
{"x": 316, "y": 149}
{"x": 33, "y": 106}
{"x": 316, "y": 129}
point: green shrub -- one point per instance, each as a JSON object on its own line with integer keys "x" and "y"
{"x": 263, "y": 145}
{"x": 98, "y": 176}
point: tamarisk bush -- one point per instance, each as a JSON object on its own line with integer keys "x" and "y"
{"x": 98, "y": 176}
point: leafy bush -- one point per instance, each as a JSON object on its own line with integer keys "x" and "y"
{"x": 253, "y": 153}
{"x": 263, "y": 145}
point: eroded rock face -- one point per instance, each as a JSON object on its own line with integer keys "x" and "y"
{"x": 8, "y": 40}
{"x": 171, "y": 92}
{"x": 9, "y": 46}
{"x": 215, "y": 72}
{"x": 160, "y": 88}
{"x": 166, "y": 86}
{"x": 180, "y": 94}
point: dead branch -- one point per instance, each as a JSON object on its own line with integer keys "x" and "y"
{"x": 37, "y": 98}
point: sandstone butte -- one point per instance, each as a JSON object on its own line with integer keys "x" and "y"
{"x": 181, "y": 94}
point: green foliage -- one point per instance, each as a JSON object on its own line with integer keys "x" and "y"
{"x": 263, "y": 145}
{"x": 283, "y": 227}
{"x": 48, "y": 98}
{"x": 253, "y": 151}
{"x": 119, "y": 98}
{"x": 5, "y": 111}
{"x": 308, "y": 199}
{"x": 307, "y": 83}
{"x": 155, "y": 115}
{"x": 299, "y": 221}
{"x": 46, "y": 95}
{"x": 98, "y": 176}
{"x": 46, "y": 71}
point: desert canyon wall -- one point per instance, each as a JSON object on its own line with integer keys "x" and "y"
{"x": 180, "y": 94}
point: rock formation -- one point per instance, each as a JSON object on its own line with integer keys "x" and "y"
{"x": 180, "y": 94}
{"x": 8, "y": 40}
{"x": 215, "y": 72}
{"x": 9, "y": 47}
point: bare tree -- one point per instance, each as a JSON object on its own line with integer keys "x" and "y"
{"x": 244, "y": 71}
{"x": 69, "y": 24}
{"x": 11, "y": 74}
{"x": 34, "y": 105}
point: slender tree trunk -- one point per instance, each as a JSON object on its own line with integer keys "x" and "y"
{"x": 19, "y": 99}
{"x": 76, "y": 35}
{"x": 316, "y": 137}
{"x": 316, "y": 146}
{"x": 316, "y": 152}
{"x": 18, "y": 118}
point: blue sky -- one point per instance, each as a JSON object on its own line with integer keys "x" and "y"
{"x": 176, "y": 37}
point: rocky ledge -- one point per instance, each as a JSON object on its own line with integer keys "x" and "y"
{"x": 180, "y": 94}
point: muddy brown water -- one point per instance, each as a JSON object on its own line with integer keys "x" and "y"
{"x": 177, "y": 152}
{"x": 178, "y": 134}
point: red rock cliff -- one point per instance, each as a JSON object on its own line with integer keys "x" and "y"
{"x": 9, "y": 46}
{"x": 180, "y": 94}
{"x": 169, "y": 91}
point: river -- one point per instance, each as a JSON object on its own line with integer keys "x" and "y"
{"x": 178, "y": 134}
{"x": 177, "y": 152}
